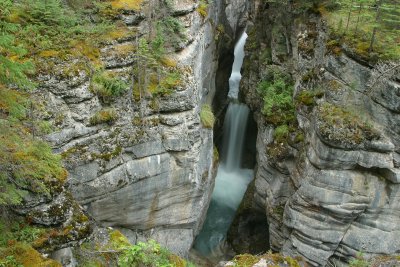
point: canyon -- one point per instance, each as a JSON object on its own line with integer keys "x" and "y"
{"x": 325, "y": 190}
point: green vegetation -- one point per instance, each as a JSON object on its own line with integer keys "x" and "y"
{"x": 145, "y": 254}
{"x": 19, "y": 254}
{"x": 307, "y": 97}
{"x": 277, "y": 91}
{"x": 203, "y": 8}
{"x": 207, "y": 117}
{"x": 106, "y": 87}
{"x": 369, "y": 27}
{"x": 28, "y": 164}
{"x": 107, "y": 115}
{"x": 247, "y": 260}
{"x": 281, "y": 133}
{"x": 342, "y": 126}
{"x": 117, "y": 251}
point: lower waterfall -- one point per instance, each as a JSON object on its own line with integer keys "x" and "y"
{"x": 232, "y": 180}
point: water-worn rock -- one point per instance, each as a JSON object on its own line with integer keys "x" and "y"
{"x": 150, "y": 169}
{"x": 325, "y": 200}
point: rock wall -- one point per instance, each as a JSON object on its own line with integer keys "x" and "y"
{"x": 335, "y": 192}
{"x": 150, "y": 172}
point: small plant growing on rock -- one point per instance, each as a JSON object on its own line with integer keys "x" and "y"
{"x": 108, "y": 115}
{"x": 207, "y": 117}
{"x": 277, "y": 90}
{"x": 203, "y": 8}
{"x": 340, "y": 125}
{"x": 106, "y": 87}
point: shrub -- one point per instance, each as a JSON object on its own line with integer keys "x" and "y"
{"x": 277, "y": 92}
{"x": 207, "y": 117}
{"x": 149, "y": 254}
{"x": 108, "y": 115}
{"x": 106, "y": 87}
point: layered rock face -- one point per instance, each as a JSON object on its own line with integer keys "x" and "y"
{"x": 150, "y": 170}
{"x": 335, "y": 191}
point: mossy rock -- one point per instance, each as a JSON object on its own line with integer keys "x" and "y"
{"x": 20, "y": 254}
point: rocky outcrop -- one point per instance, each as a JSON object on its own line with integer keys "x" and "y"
{"x": 149, "y": 169}
{"x": 334, "y": 192}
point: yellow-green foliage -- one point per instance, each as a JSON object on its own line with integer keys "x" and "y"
{"x": 203, "y": 8}
{"x": 28, "y": 163}
{"x": 281, "y": 133}
{"x": 354, "y": 22}
{"x": 245, "y": 260}
{"x": 341, "y": 125}
{"x": 126, "y": 4}
{"x": 207, "y": 116}
{"x": 20, "y": 254}
{"x": 275, "y": 259}
{"x": 108, "y": 115}
{"x": 307, "y": 98}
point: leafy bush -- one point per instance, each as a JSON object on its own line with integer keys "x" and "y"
{"x": 108, "y": 115}
{"x": 107, "y": 87}
{"x": 149, "y": 254}
{"x": 207, "y": 117}
{"x": 277, "y": 92}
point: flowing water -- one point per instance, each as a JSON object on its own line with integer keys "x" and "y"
{"x": 231, "y": 181}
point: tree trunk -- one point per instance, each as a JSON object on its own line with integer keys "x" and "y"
{"x": 358, "y": 18}
{"x": 378, "y": 15}
{"x": 348, "y": 17}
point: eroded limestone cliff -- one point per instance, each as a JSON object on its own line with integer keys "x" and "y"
{"x": 142, "y": 163}
{"x": 329, "y": 186}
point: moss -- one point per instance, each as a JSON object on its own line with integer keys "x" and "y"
{"x": 245, "y": 260}
{"x": 25, "y": 255}
{"x": 343, "y": 126}
{"x": 279, "y": 210}
{"x": 168, "y": 62}
{"x": 118, "y": 240}
{"x": 108, "y": 156}
{"x": 127, "y": 4}
{"x": 273, "y": 259}
{"x": 281, "y": 133}
{"x": 207, "y": 117}
{"x": 307, "y": 98}
{"x": 215, "y": 155}
{"x": 333, "y": 46}
{"x": 108, "y": 116}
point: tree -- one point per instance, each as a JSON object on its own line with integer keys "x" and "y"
{"x": 13, "y": 67}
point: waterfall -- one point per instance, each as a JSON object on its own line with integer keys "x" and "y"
{"x": 235, "y": 78}
{"x": 232, "y": 180}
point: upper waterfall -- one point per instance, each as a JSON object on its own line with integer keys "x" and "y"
{"x": 235, "y": 78}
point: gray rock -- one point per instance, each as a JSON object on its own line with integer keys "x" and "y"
{"x": 65, "y": 257}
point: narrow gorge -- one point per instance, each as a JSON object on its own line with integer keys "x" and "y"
{"x": 233, "y": 133}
